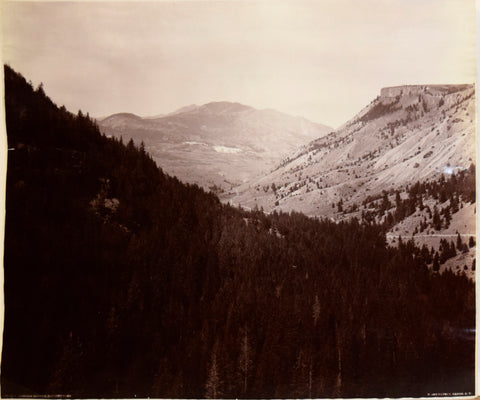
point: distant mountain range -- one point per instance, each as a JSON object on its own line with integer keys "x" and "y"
{"x": 271, "y": 161}
{"x": 219, "y": 144}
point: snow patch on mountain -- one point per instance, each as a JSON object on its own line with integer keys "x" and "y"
{"x": 228, "y": 150}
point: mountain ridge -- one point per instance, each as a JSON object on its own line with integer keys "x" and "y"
{"x": 407, "y": 133}
{"x": 206, "y": 106}
{"x": 217, "y": 144}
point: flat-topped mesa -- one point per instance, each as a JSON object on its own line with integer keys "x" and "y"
{"x": 433, "y": 90}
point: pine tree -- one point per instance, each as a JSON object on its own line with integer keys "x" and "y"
{"x": 316, "y": 310}
{"x": 245, "y": 360}
{"x": 398, "y": 199}
{"x": 385, "y": 202}
{"x": 459, "y": 242}
{"x": 212, "y": 386}
{"x": 454, "y": 203}
{"x": 420, "y": 202}
{"x": 447, "y": 216}
{"x": 436, "y": 262}
{"x": 471, "y": 242}
{"x": 339, "y": 345}
{"x": 452, "y": 252}
{"x": 340, "y": 205}
{"x": 437, "y": 222}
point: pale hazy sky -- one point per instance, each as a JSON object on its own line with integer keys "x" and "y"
{"x": 323, "y": 59}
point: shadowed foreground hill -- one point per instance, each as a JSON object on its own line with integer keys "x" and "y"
{"x": 122, "y": 281}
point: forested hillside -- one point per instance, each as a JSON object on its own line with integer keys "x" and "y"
{"x": 407, "y": 134}
{"x": 121, "y": 281}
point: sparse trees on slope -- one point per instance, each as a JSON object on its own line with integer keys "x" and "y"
{"x": 175, "y": 276}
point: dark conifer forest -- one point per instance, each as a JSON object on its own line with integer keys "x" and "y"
{"x": 121, "y": 281}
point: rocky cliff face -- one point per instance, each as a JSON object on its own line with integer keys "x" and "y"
{"x": 432, "y": 90}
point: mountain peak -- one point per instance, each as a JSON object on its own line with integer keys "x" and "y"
{"x": 122, "y": 115}
{"x": 220, "y": 143}
{"x": 224, "y": 107}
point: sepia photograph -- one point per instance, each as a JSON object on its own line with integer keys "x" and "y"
{"x": 239, "y": 199}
